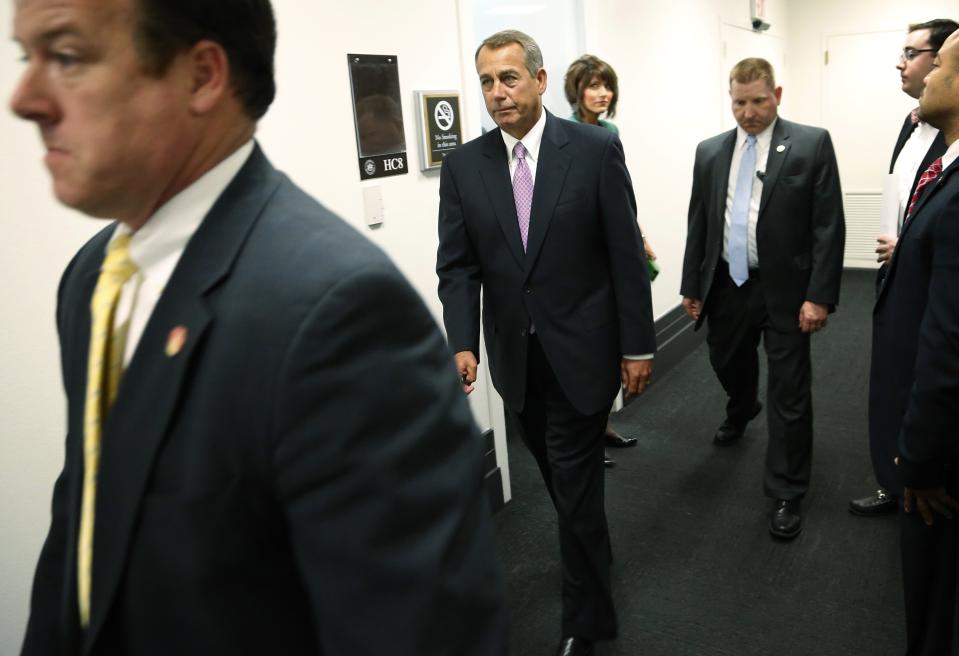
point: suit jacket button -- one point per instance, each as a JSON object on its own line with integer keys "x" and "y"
{"x": 529, "y": 291}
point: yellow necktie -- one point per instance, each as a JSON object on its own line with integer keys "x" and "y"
{"x": 104, "y": 370}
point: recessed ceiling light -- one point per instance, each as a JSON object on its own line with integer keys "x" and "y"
{"x": 514, "y": 9}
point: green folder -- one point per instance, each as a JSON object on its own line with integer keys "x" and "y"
{"x": 653, "y": 269}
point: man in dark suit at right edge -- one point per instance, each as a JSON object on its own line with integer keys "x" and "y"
{"x": 917, "y": 146}
{"x": 763, "y": 260}
{"x": 916, "y": 331}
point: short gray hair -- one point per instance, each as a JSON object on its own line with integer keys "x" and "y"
{"x": 532, "y": 55}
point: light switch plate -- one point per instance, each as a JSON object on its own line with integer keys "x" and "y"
{"x": 373, "y": 205}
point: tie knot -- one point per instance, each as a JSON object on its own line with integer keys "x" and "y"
{"x": 914, "y": 116}
{"x": 519, "y": 150}
{"x": 936, "y": 167}
{"x": 750, "y": 140}
{"x": 117, "y": 261}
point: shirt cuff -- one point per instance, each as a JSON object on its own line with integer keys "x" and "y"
{"x": 644, "y": 356}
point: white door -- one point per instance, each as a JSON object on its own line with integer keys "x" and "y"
{"x": 739, "y": 43}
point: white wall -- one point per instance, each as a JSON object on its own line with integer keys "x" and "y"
{"x": 668, "y": 57}
{"x": 811, "y": 20}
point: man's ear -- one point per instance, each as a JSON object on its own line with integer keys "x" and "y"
{"x": 541, "y": 80}
{"x": 210, "y": 71}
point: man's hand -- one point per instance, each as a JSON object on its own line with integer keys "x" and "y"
{"x": 466, "y": 366}
{"x": 812, "y": 317}
{"x": 692, "y": 307}
{"x": 928, "y": 500}
{"x": 887, "y": 244}
{"x": 636, "y": 375}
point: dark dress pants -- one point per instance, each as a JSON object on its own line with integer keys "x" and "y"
{"x": 929, "y": 555}
{"x": 568, "y": 448}
{"x": 737, "y": 319}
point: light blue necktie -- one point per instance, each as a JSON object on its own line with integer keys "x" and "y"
{"x": 739, "y": 216}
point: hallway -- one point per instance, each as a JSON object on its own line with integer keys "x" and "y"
{"x": 696, "y": 572}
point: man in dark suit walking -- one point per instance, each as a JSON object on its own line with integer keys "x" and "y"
{"x": 918, "y": 145}
{"x": 763, "y": 260}
{"x": 236, "y": 481}
{"x": 540, "y": 215}
{"x": 915, "y": 360}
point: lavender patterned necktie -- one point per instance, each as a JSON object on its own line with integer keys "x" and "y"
{"x": 522, "y": 191}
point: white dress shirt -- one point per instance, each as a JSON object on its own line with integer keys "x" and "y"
{"x": 907, "y": 163}
{"x": 157, "y": 246}
{"x": 951, "y": 155}
{"x": 531, "y": 141}
{"x": 763, "y": 140}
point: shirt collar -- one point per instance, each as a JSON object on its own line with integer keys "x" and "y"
{"x": 762, "y": 139}
{"x": 951, "y": 154}
{"x": 531, "y": 139}
{"x": 167, "y": 232}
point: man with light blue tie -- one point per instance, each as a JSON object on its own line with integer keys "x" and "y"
{"x": 763, "y": 260}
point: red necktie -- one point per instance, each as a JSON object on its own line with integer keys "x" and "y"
{"x": 928, "y": 176}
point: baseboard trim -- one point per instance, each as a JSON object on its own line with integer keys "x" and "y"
{"x": 675, "y": 339}
{"x": 493, "y": 479}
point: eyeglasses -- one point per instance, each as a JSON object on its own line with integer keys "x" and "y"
{"x": 908, "y": 54}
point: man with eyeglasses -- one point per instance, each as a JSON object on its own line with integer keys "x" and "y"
{"x": 918, "y": 145}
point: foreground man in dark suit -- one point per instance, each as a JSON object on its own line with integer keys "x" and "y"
{"x": 540, "y": 215}
{"x": 252, "y": 489}
{"x": 916, "y": 365}
{"x": 763, "y": 260}
{"x": 917, "y": 146}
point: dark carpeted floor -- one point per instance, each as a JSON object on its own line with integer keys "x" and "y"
{"x": 696, "y": 572}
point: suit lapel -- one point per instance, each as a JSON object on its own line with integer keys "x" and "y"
{"x": 75, "y": 342}
{"x": 927, "y": 194}
{"x": 721, "y": 166}
{"x": 779, "y": 147}
{"x": 907, "y": 129}
{"x": 908, "y": 225}
{"x": 155, "y": 379}
{"x": 551, "y": 169}
{"x": 494, "y": 171}
{"x": 936, "y": 150}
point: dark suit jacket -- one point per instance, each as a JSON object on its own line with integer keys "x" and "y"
{"x": 271, "y": 489}
{"x": 935, "y": 151}
{"x": 916, "y": 339}
{"x": 800, "y": 231}
{"x": 583, "y": 280}
{"x": 883, "y": 440}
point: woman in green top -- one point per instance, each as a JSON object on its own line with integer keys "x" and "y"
{"x": 592, "y": 90}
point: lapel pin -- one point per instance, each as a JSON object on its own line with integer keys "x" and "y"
{"x": 175, "y": 341}
{"x": 780, "y": 148}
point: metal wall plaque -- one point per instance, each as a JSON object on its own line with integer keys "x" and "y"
{"x": 439, "y": 126}
{"x": 378, "y": 115}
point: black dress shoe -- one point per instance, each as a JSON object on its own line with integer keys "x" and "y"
{"x": 618, "y": 441}
{"x": 785, "y": 521}
{"x": 609, "y": 462}
{"x": 730, "y": 431}
{"x": 574, "y": 646}
{"x": 878, "y": 503}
